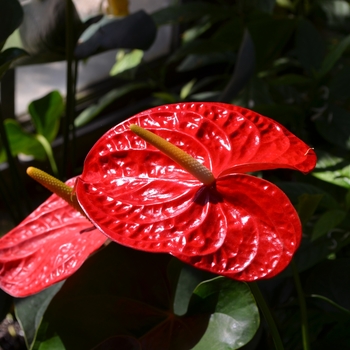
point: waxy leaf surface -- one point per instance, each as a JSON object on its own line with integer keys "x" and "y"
{"x": 47, "y": 247}
{"x": 241, "y": 226}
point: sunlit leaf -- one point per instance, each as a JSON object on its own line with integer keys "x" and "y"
{"x": 94, "y": 110}
{"x": 46, "y": 113}
{"x": 22, "y": 141}
{"x": 333, "y": 169}
{"x": 126, "y": 60}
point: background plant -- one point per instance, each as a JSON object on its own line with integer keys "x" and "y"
{"x": 288, "y": 60}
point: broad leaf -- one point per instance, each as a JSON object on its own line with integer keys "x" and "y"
{"x": 46, "y": 113}
{"x": 30, "y": 311}
{"x": 126, "y": 61}
{"x": 136, "y": 31}
{"x": 236, "y": 317}
{"x": 22, "y": 142}
{"x": 333, "y": 169}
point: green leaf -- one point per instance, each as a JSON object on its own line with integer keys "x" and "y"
{"x": 94, "y": 110}
{"x": 188, "y": 280}
{"x": 54, "y": 343}
{"x": 11, "y": 16}
{"x": 22, "y": 142}
{"x": 327, "y": 222}
{"x": 126, "y": 61}
{"x": 186, "y": 89}
{"x": 333, "y": 56}
{"x": 236, "y": 316}
{"x": 310, "y": 47}
{"x": 332, "y": 169}
{"x": 7, "y": 57}
{"x": 307, "y": 205}
{"x": 29, "y": 311}
{"x": 285, "y": 3}
{"x": 46, "y": 113}
{"x": 136, "y": 31}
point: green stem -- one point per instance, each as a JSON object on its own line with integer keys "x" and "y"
{"x": 264, "y": 308}
{"x": 70, "y": 91}
{"x": 302, "y": 305}
{"x": 48, "y": 150}
{"x": 15, "y": 191}
{"x": 331, "y": 302}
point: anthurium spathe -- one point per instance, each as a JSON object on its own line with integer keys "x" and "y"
{"x": 47, "y": 247}
{"x": 236, "y": 224}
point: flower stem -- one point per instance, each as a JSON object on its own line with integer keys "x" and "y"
{"x": 48, "y": 150}
{"x": 198, "y": 170}
{"x": 264, "y": 308}
{"x": 302, "y": 305}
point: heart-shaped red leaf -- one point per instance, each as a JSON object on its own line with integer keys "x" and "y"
{"x": 139, "y": 197}
{"x": 47, "y": 247}
{"x": 263, "y": 230}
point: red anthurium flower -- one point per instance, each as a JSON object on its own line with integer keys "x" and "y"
{"x": 207, "y": 211}
{"x": 230, "y": 223}
{"x": 47, "y": 247}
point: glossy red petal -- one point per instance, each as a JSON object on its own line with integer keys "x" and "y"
{"x": 47, "y": 247}
{"x": 236, "y": 139}
{"x": 264, "y": 233}
{"x": 153, "y": 215}
{"x": 141, "y": 198}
